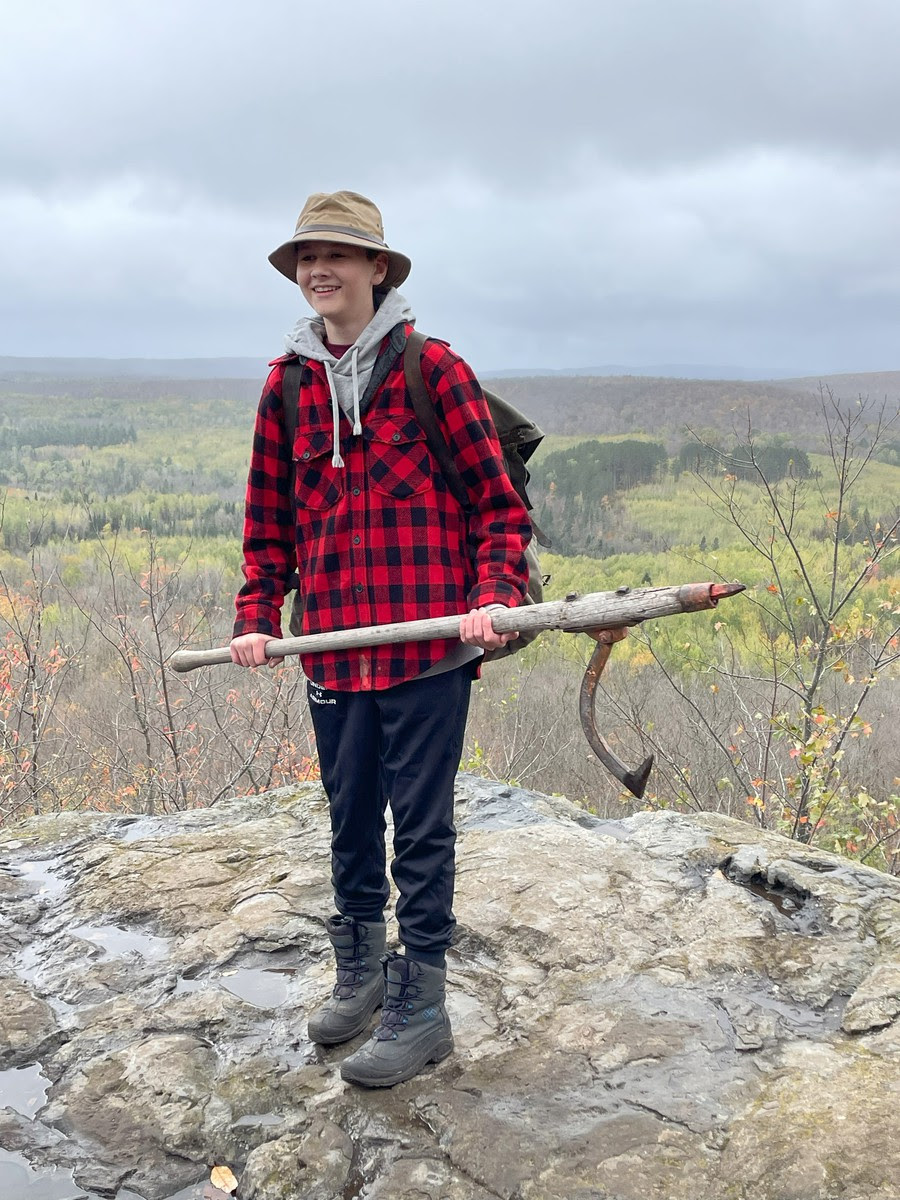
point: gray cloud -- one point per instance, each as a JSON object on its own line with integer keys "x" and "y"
{"x": 663, "y": 180}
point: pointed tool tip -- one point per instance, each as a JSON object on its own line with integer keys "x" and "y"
{"x": 718, "y": 590}
{"x": 636, "y": 781}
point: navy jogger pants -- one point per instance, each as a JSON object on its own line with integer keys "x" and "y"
{"x": 400, "y": 746}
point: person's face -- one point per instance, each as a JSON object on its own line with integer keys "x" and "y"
{"x": 337, "y": 282}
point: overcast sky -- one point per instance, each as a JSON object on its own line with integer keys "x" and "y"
{"x": 578, "y": 183}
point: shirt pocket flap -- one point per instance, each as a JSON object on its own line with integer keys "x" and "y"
{"x": 311, "y": 444}
{"x": 395, "y": 430}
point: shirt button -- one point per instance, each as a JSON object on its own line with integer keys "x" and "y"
{"x": 356, "y": 491}
{"x": 356, "y": 540}
{"x": 396, "y": 437}
{"x": 305, "y": 454}
{"x": 359, "y": 587}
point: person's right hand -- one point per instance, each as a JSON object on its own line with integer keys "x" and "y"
{"x": 249, "y": 650}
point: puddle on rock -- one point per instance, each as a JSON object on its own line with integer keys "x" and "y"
{"x": 185, "y": 984}
{"x": 24, "y": 1090}
{"x": 493, "y": 814}
{"x": 194, "y": 1192}
{"x": 20, "y": 1181}
{"x": 45, "y": 874}
{"x": 258, "y": 986}
{"x": 28, "y": 962}
{"x": 258, "y": 1119}
{"x": 275, "y": 979}
{"x": 792, "y": 902}
{"x": 62, "y": 1008}
{"x": 123, "y": 943}
{"x": 305, "y": 1054}
{"x": 801, "y": 1019}
{"x": 788, "y": 904}
{"x": 137, "y": 829}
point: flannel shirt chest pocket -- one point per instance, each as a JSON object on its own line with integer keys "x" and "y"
{"x": 317, "y": 484}
{"x": 398, "y": 461}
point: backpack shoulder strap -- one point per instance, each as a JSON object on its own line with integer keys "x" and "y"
{"x": 290, "y": 403}
{"x": 423, "y": 405}
{"x": 290, "y": 398}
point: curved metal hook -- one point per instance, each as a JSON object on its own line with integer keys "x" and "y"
{"x": 635, "y": 780}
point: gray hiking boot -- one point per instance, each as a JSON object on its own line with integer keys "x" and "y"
{"x": 414, "y": 1028}
{"x": 358, "y": 948}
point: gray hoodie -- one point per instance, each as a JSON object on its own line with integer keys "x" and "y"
{"x": 349, "y": 376}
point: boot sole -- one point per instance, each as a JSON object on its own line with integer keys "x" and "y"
{"x": 409, "y": 1071}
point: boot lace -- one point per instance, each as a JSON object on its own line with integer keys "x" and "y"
{"x": 395, "y": 1011}
{"x": 350, "y": 972}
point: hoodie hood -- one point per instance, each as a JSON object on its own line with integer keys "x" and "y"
{"x": 348, "y": 377}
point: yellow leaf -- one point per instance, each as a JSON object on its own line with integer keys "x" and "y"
{"x": 223, "y": 1177}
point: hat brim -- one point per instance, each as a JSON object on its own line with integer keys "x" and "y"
{"x": 284, "y": 259}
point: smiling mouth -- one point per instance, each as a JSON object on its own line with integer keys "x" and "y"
{"x": 324, "y": 291}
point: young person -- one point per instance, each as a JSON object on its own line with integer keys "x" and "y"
{"x": 359, "y": 509}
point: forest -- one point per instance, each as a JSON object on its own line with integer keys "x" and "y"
{"x": 119, "y": 543}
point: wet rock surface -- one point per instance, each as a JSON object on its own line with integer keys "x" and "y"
{"x": 663, "y": 1007}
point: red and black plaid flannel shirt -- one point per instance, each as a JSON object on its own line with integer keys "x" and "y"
{"x": 380, "y": 539}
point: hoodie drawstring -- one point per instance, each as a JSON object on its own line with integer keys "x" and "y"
{"x": 336, "y": 460}
{"x": 354, "y": 369}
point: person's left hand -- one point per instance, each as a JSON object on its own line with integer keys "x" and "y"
{"x": 475, "y": 629}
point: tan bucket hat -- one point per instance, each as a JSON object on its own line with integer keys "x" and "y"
{"x": 344, "y": 217}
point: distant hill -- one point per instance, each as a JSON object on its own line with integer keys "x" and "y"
{"x": 124, "y": 387}
{"x": 664, "y": 407}
{"x": 561, "y": 402}
{"x": 877, "y": 385}
{"x": 656, "y": 371}
{"x": 254, "y": 368}
{"x": 12, "y": 369}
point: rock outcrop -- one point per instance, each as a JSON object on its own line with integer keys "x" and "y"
{"x": 664, "y": 1007}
